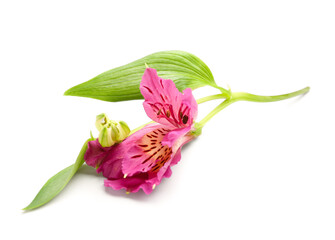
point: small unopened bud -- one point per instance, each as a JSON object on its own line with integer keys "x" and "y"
{"x": 107, "y": 136}
{"x": 123, "y": 131}
{"x": 101, "y": 121}
{"x": 111, "y": 132}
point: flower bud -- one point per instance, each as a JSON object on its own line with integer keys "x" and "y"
{"x": 101, "y": 120}
{"x": 107, "y": 136}
{"x": 123, "y": 131}
{"x": 111, "y": 132}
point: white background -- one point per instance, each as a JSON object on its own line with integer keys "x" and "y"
{"x": 258, "y": 171}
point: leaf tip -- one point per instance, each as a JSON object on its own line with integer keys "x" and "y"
{"x": 26, "y": 208}
{"x": 68, "y": 92}
{"x": 73, "y": 91}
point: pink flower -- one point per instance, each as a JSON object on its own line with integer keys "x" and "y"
{"x": 145, "y": 157}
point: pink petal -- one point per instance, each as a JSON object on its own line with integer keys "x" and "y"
{"x": 139, "y": 175}
{"x": 112, "y": 167}
{"x": 168, "y": 172}
{"x": 95, "y": 153}
{"x": 176, "y": 158}
{"x": 189, "y": 100}
{"x": 133, "y": 184}
{"x": 108, "y": 160}
{"x": 142, "y": 180}
{"x": 164, "y": 103}
{"x": 152, "y": 149}
{"x": 144, "y": 151}
{"x": 174, "y": 135}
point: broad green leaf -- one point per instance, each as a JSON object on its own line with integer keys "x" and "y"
{"x": 56, "y": 183}
{"x": 122, "y": 83}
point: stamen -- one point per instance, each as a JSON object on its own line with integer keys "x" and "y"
{"x": 167, "y": 116}
{"x": 185, "y": 119}
{"x": 124, "y": 176}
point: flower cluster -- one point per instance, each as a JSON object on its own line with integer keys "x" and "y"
{"x": 142, "y": 159}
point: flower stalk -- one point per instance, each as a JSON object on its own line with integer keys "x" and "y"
{"x": 210, "y": 98}
{"x": 243, "y": 96}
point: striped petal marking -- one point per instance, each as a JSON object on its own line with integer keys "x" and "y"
{"x": 150, "y": 155}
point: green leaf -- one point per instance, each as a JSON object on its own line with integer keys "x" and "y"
{"x": 56, "y": 183}
{"x": 122, "y": 83}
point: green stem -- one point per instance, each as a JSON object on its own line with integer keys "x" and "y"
{"x": 242, "y": 96}
{"x": 215, "y": 111}
{"x": 209, "y": 98}
{"x": 225, "y": 92}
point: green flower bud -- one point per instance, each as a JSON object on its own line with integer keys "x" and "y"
{"x": 101, "y": 121}
{"x": 123, "y": 131}
{"x": 107, "y": 136}
{"x": 111, "y": 132}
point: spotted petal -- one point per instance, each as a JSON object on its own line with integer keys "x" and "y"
{"x": 164, "y": 103}
{"x": 142, "y": 180}
{"x": 146, "y": 153}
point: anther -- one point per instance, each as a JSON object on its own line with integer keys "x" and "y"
{"x": 185, "y": 119}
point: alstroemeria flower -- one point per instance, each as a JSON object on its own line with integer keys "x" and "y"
{"x": 145, "y": 157}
